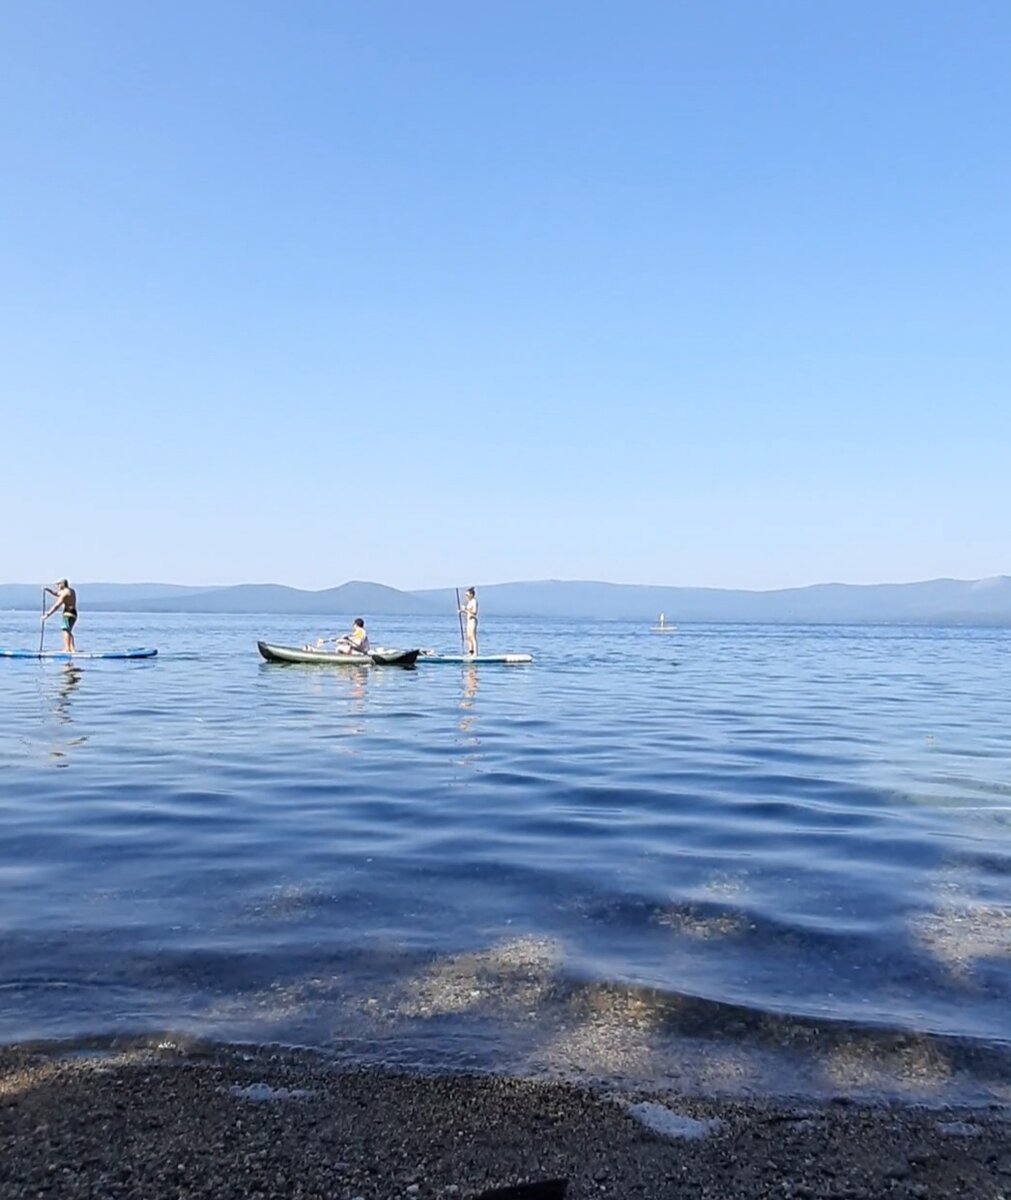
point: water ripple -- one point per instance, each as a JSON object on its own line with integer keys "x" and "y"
{"x": 798, "y": 830}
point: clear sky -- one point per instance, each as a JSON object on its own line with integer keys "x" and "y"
{"x": 709, "y": 293}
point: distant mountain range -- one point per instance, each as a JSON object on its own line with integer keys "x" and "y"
{"x": 954, "y": 601}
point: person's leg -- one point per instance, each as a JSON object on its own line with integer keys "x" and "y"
{"x": 71, "y": 644}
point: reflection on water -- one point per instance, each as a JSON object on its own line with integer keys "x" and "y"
{"x": 784, "y": 841}
{"x": 70, "y": 678}
{"x": 356, "y": 682}
{"x": 67, "y": 681}
{"x": 467, "y": 699}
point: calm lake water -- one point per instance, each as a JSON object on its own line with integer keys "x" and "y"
{"x": 736, "y": 858}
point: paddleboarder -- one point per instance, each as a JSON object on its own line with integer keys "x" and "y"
{"x": 66, "y": 598}
{"x": 469, "y": 614}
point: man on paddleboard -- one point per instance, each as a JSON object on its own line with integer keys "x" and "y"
{"x": 66, "y": 598}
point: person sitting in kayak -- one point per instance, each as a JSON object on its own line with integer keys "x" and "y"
{"x": 66, "y": 598}
{"x": 355, "y": 642}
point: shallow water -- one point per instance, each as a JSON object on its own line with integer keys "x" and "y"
{"x": 734, "y": 858}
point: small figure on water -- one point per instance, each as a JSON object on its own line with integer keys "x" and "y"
{"x": 355, "y": 642}
{"x": 469, "y": 613}
{"x": 66, "y": 598}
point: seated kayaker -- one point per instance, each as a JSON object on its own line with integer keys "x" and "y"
{"x": 355, "y": 642}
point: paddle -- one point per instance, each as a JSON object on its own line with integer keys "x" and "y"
{"x": 42, "y": 629}
{"x": 459, "y": 613}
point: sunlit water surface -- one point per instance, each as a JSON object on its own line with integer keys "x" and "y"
{"x": 735, "y": 858}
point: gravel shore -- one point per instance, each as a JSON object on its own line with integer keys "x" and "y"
{"x": 233, "y": 1123}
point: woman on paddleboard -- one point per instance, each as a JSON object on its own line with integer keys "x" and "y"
{"x": 469, "y": 613}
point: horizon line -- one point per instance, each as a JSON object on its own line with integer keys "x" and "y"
{"x": 219, "y": 587}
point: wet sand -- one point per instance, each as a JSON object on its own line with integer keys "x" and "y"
{"x": 229, "y": 1122}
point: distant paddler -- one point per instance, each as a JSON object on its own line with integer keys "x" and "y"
{"x": 66, "y": 598}
{"x": 468, "y": 611}
{"x": 355, "y": 642}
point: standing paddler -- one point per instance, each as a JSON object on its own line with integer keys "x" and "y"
{"x": 469, "y": 613}
{"x": 66, "y": 598}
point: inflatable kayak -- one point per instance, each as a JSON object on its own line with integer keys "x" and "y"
{"x": 62, "y": 655}
{"x": 380, "y": 657}
{"x": 428, "y": 656}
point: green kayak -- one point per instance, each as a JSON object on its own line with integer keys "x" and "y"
{"x": 380, "y": 657}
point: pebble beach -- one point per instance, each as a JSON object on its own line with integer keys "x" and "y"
{"x": 222, "y": 1122}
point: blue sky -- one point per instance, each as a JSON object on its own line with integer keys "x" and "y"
{"x": 427, "y": 293}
